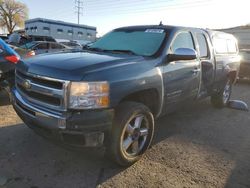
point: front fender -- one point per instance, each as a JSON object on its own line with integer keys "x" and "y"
{"x": 151, "y": 79}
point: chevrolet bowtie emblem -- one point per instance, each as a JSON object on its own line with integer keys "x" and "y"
{"x": 27, "y": 84}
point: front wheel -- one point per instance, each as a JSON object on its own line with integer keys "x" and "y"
{"x": 221, "y": 99}
{"x": 132, "y": 133}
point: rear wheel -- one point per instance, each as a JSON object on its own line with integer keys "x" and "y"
{"x": 221, "y": 99}
{"x": 132, "y": 133}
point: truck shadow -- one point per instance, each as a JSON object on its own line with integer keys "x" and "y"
{"x": 37, "y": 162}
{"x": 226, "y": 131}
{"x": 28, "y": 160}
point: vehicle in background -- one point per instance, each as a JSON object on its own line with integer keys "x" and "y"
{"x": 40, "y": 38}
{"x": 83, "y": 42}
{"x": 19, "y": 39}
{"x": 111, "y": 92}
{"x": 41, "y": 47}
{"x": 73, "y": 45}
{"x": 245, "y": 64}
{"x": 22, "y": 52}
{"x": 4, "y": 38}
{"x": 8, "y": 60}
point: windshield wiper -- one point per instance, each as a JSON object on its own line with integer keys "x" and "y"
{"x": 95, "y": 49}
{"x": 122, "y": 51}
{"x": 112, "y": 51}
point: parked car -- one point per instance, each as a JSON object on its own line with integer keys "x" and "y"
{"x": 22, "y": 52}
{"x": 111, "y": 93}
{"x": 8, "y": 60}
{"x": 84, "y": 42}
{"x": 73, "y": 45}
{"x": 245, "y": 64}
{"x": 41, "y": 47}
{"x": 4, "y": 38}
{"x": 18, "y": 39}
{"x": 40, "y": 38}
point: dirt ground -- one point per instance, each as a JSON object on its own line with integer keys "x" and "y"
{"x": 198, "y": 146}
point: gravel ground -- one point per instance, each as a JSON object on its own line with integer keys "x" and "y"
{"x": 198, "y": 146}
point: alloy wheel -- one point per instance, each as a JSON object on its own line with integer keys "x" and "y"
{"x": 134, "y": 135}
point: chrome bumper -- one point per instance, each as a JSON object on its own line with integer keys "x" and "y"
{"x": 85, "y": 128}
{"x": 49, "y": 119}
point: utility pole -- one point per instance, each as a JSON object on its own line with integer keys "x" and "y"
{"x": 79, "y": 9}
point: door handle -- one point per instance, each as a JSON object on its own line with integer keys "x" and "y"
{"x": 196, "y": 70}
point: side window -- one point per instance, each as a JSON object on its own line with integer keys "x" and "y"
{"x": 59, "y": 31}
{"x": 80, "y": 34}
{"x": 46, "y": 29}
{"x": 203, "y": 46}
{"x": 231, "y": 46}
{"x": 38, "y": 38}
{"x": 42, "y": 46}
{"x": 183, "y": 40}
{"x": 56, "y": 46}
{"x": 220, "y": 45}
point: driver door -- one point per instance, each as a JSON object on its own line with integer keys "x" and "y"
{"x": 181, "y": 78}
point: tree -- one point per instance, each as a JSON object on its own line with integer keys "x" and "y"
{"x": 12, "y": 14}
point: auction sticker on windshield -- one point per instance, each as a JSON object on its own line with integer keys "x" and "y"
{"x": 154, "y": 31}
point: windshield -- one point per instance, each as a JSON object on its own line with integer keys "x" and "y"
{"x": 145, "y": 43}
{"x": 28, "y": 45}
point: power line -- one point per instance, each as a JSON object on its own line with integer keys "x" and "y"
{"x": 97, "y": 8}
{"x": 79, "y": 9}
{"x": 137, "y": 4}
{"x": 118, "y": 10}
{"x": 130, "y": 2}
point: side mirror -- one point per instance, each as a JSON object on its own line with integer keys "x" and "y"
{"x": 182, "y": 54}
{"x": 1, "y": 51}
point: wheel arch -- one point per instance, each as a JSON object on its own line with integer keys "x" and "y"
{"x": 149, "y": 97}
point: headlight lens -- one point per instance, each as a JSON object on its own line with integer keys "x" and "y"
{"x": 89, "y": 95}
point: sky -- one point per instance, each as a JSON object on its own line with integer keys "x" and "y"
{"x": 109, "y": 14}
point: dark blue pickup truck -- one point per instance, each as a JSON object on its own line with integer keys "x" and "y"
{"x": 111, "y": 93}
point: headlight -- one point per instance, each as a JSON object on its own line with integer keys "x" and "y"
{"x": 89, "y": 95}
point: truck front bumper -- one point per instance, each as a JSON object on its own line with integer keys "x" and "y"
{"x": 88, "y": 128}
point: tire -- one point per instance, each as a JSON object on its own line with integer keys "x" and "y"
{"x": 132, "y": 133}
{"x": 221, "y": 99}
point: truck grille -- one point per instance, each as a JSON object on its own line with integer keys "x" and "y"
{"x": 42, "y": 91}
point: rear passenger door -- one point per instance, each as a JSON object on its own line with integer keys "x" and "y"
{"x": 181, "y": 78}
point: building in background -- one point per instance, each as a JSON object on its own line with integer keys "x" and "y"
{"x": 242, "y": 33}
{"x": 60, "y": 30}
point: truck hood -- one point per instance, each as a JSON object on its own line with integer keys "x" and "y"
{"x": 73, "y": 65}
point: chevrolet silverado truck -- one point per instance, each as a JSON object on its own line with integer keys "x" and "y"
{"x": 111, "y": 93}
